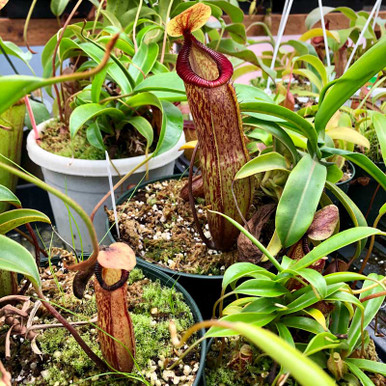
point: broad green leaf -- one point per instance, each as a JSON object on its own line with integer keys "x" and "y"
{"x": 144, "y": 128}
{"x": 346, "y": 297}
{"x": 299, "y": 124}
{"x": 308, "y": 74}
{"x": 316, "y": 32}
{"x": 262, "y": 163}
{"x": 315, "y": 279}
{"x": 300, "y": 198}
{"x": 285, "y": 333}
{"x": 143, "y": 61}
{"x": 362, "y": 161}
{"x": 251, "y": 318}
{"x": 94, "y": 136}
{"x": 340, "y": 318}
{"x": 14, "y": 50}
{"x": 303, "y": 323}
{"x": 367, "y": 365}
{"x": 90, "y": 111}
{"x": 379, "y": 122}
{"x": 275, "y": 130}
{"x": 238, "y": 270}
{"x": 261, "y": 287}
{"x": 371, "y": 307}
{"x": 262, "y": 306}
{"x": 58, "y": 6}
{"x": 237, "y": 32}
{"x": 355, "y": 214}
{"x": 237, "y": 305}
{"x": 40, "y": 113}
{"x": 234, "y": 12}
{"x": 168, "y": 81}
{"x": 368, "y": 65}
{"x": 335, "y": 242}
{"x": 334, "y": 173}
{"x": 303, "y": 369}
{"x": 15, "y": 258}
{"x": 315, "y": 62}
{"x": 363, "y": 378}
{"x": 382, "y": 211}
{"x": 97, "y": 84}
{"x": 7, "y": 196}
{"x": 308, "y": 298}
{"x": 14, "y": 218}
{"x": 321, "y": 341}
{"x": 247, "y": 93}
{"x": 343, "y": 277}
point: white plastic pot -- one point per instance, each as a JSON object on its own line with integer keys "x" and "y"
{"x": 86, "y": 182}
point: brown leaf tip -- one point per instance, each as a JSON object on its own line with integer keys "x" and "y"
{"x": 117, "y": 256}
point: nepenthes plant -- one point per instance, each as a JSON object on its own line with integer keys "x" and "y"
{"x": 213, "y": 104}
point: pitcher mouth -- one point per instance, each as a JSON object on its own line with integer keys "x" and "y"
{"x": 185, "y": 71}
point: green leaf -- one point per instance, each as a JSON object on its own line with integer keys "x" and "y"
{"x": 168, "y": 81}
{"x": 321, "y": 341}
{"x": 299, "y": 200}
{"x": 261, "y": 287}
{"x": 275, "y": 130}
{"x": 16, "y": 258}
{"x": 303, "y": 323}
{"x": 246, "y": 317}
{"x": 239, "y": 270}
{"x": 97, "y": 84}
{"x": 58, "y": 6}
{"x": 12, "y": 49}
{"x": 299, "y": 124}
{"x": 367, "y": 365}
{"x": 382, "y": 211}
{"x": 303, "y": 369}
{"x": 144, "y": 128}
{"x": 315, "y": 62}
{"x": 363, "y": 378}
{"x": 262, "y": 163}
{"x": 246, "y": 93}
{"x": 143, "y": 61}
{"x": 341, "y": 296}
{"x": 308, "y": 298}
{"x": 235, "y": 13}
{"x": 237, "y": 32}
{"x": 7, "y": 196}
{"x": 334, "y": 173}
{"x": 40, "y": 113}
{"x": 14, "y": 218}
{"x": 379, "y": 122}
{"x": 363, "y": 69}
{"x": 333, "y": 243}
{"x": 89, "y": 111}
{"x": 94, "y": 136}
{"x": 362, "y": 161}
{"x": 285, "y": 334}
{"x": 262, "y": 306}
{"x": 371, "y": 307}
{"x": 315, "y": 279}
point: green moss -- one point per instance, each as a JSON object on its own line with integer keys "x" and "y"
{"x": 67, "y": 361}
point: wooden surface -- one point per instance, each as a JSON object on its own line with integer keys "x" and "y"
{"x": 40, "y": 30}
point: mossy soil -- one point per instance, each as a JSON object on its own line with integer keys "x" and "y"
{"x": 158, "y": 224}
{"x": 56, "y": 139}
{"x": 63, "y": 362}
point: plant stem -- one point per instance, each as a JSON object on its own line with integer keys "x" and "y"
{"x": 99, "y": 362}
{"x": 69, "y": 201}
{"x": 165, "y": 32}
{"x": 60, "y": 108}
{"x": 26, "y": 24}
{"x": 135, "y": 25}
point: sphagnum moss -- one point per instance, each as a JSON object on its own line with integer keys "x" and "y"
{"x": 151, "y": 325}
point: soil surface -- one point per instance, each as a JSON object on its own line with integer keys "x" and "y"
{"x": 56, "y": 139}
{"x": 158, "y": 224}
{"x": 50, "y": 356}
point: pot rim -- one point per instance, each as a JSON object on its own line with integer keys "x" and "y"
{"x": 94, "y": 168}
{"x": 169, "y": 271}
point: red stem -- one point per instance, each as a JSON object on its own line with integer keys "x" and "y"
{"x": 32, "y": 118}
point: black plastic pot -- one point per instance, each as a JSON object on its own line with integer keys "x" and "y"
{"x": 204, "y": 289}
{"x": 367, "y": 194}
{"x": 153, "y": 273}
{"x": 343, "y": 185}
